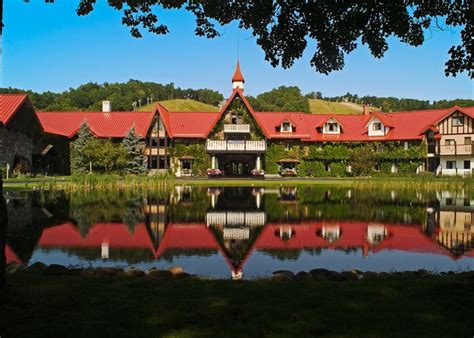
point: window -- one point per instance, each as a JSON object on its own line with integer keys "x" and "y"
{"x": 467, "y": 202}
{"x": 467, "y": 164}
{"x": 287, "y": 146}
{"x": 406, "y": 145}
{"x": 162, "y": 142}
{"x": 450, "y": 164}
{"x": 467, "y": 141}
{"x": 376, "y": 126}
{"x": 286, "y": 126}
{"x": 449, "y": 142}
{"x": 449, "y": 201}
{"x": 332, "y": 127}
{"x": 458, "y": 120}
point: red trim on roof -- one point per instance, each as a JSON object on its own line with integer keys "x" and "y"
{"x": 165, "y": 117}
{"x": 9, "y": 105}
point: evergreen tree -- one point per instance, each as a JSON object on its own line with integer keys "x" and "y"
{"x": 77, "y": 159}
{"x": 134, "y": 147}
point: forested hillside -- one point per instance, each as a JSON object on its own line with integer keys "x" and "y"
{"x": 136, "y": 94}
{"x": 388, "y": 104}
{"x": 123, "y": 96}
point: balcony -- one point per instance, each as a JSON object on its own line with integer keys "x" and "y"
{"x": 460, "y": 149}
{"x": 235, "y": 146}
{"x": 236, "y": 128}
{"x": 154, "y": 151}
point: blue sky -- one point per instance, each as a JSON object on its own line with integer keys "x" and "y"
{"x": 48, "y": 47}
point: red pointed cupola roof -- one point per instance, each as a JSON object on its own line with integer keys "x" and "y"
{"x": 238, "y": 77}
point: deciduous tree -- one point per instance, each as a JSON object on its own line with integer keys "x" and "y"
{"x": 283, "y": 29}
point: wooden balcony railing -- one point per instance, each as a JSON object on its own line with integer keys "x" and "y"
{"x": 237, "y": 128}
{"x": 236, "y": 146}
{"x": 459, "y": 149}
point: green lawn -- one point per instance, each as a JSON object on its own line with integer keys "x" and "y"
{"x": 326, "y": 107}
{"x": 75, "y": 306}
{"x": 182, "y": 105}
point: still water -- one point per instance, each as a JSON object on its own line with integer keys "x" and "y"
{"x": 246, "y": 231}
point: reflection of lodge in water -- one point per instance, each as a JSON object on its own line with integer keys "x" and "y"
{"x": 236, "y": 230}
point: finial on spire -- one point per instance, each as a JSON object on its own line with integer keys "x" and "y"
{"x": 238, "y": 79}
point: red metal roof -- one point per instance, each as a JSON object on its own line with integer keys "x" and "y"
{"x": 270, "y": 123}
{"x": 9, "y": 104}
{"x": 192, "y": 124}
{"x": 10, "y": 255}
{"x": 407, "y": 125}
{"x": 113, "y": 124}
{"x": 238, "y": 74}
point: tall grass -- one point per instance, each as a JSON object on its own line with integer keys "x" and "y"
{"x": 116, "y": 182}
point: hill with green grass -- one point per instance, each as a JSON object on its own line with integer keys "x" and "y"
{"x": 318, "y": 106}
{"x": 182, "y": 105}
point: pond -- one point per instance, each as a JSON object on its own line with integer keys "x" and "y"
{"x": 245, "y": 232}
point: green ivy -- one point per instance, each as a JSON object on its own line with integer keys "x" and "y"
{"x": 201, "y": 161}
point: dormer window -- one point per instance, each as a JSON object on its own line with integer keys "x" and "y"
{"x": 286, "y": 127}
{"x": 331, "y": 127}
{"x": 376, "y": 126}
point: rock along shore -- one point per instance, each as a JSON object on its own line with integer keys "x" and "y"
{"x": 177, "y": 272}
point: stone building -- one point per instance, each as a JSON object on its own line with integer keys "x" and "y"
{"x": 20, "y": 133}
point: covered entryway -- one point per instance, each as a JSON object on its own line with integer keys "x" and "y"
{"x": 240, "y": 165}
{"x": 237, "y": 168}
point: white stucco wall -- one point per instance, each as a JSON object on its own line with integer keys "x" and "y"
{"x": 459, "y": 165}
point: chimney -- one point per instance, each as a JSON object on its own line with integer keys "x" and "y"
{"x": 106, "y": 107}
{"x": 365, "y": 110}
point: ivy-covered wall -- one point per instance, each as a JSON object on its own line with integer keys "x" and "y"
{"x": 332, "y": 159}
{"x": 238, "y": 108}
{"x": 201, "y": 162}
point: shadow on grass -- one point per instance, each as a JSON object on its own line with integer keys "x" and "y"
{"x": 76, "y": 306}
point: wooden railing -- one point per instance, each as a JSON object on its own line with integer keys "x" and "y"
{"x": 250, "y": 219}
{"x": 459, "y": 149}
{"x": 236, "y": 128}
{"x": 236, "y": 146}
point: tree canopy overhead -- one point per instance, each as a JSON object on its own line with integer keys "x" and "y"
{"x": 283, "y": 28}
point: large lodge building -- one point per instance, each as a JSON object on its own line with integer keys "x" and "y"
{"x": 238, "y": 140}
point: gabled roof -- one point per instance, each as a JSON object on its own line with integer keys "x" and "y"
{"x": 331, "y": 117}
{"x": 239, "y": 92}
{"x": 165, "y": 117}
{"x": 268, "y": 121}
{"x": 113, "y": 124}
{"x": 9, "y": 105}
{"x": 386, "y": 119}
{"x": 238, "y": 77}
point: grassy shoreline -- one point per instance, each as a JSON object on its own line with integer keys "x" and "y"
{"x": 73, "y": 305}
{"x": 144, "y": 182}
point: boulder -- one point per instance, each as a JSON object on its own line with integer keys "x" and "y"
{"x": 283, "y": 275}
{"x": 370, "y": 275}
{"x": 107, "y": 271}
{"x": 56, "y": 269}
{"x": 182, "y": 275}
{"x": 348, "y": 275}
{"x": 135, "y": 273}
{"x": 303, "y": 275}
{"x": 160, "y": 274}
{"x": 176, "y": 270}
{"x": 321, "y": 274}
{"x": 37, "y": 267}
{"x": 423, "y": 273}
